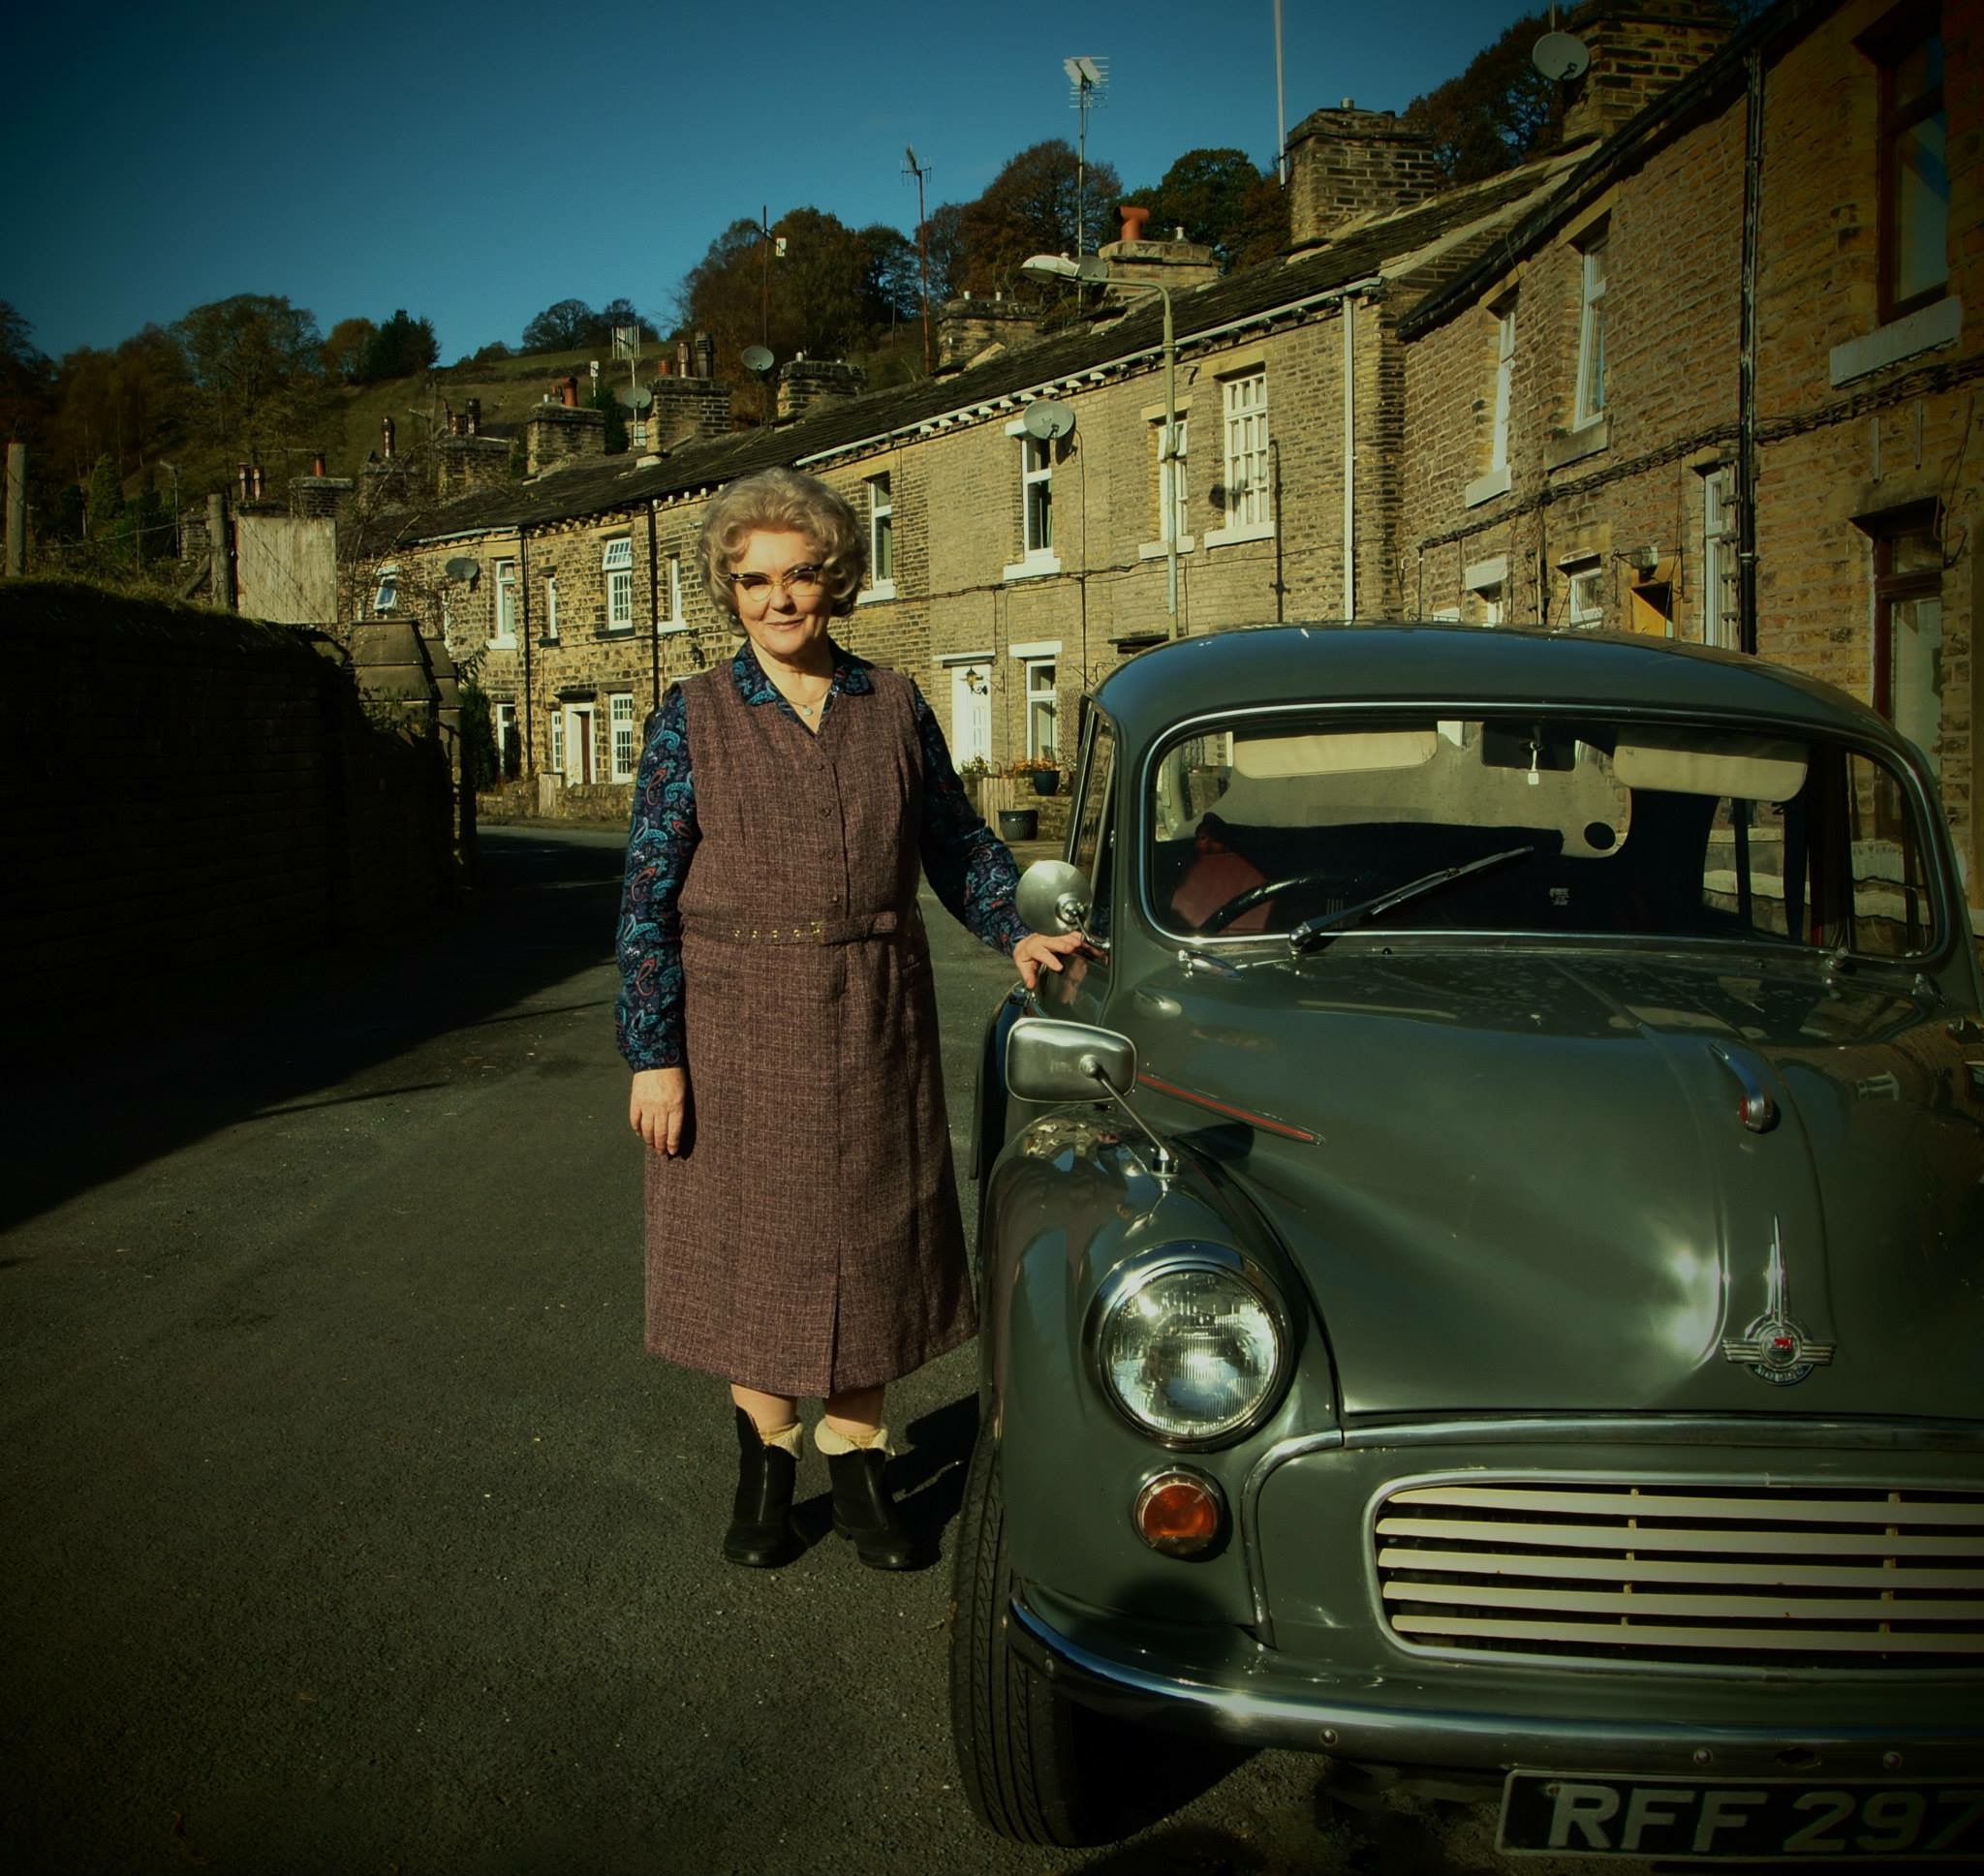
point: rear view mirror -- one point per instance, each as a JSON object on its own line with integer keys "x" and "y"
{"x": 1048, "y": 1059}
{"x": 1053, "y": 897}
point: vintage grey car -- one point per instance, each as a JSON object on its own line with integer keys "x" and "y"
{"x": 1483, "y": 1263}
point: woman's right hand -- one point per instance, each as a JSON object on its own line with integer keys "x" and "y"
{"x": 659, "y": 1108}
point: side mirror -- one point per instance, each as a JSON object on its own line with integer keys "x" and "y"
{"x": 1048, "y": 1059}
{"x": 1053, "y": 897}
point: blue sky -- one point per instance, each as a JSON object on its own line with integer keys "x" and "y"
{"x": 475, "y": 163}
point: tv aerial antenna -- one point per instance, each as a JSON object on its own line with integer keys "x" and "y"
{"x": 1087, "y": 80}
{"x": 912, "y": 167}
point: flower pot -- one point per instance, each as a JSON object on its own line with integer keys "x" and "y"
{"x": 1046, "y": 781}
{"x": 1019, "y": 824}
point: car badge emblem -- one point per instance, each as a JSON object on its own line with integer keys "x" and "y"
{"x": 1775, "y": 1347}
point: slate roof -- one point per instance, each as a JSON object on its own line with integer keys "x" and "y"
{"x": 1059, "y": 359}
{"x": 1709, "y": 88}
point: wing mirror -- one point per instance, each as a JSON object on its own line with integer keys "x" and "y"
{"x": 1053, "y": 897}
{"x": 1048, "y": 1059}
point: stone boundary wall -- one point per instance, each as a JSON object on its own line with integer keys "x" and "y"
{"x": 182, "y": 788}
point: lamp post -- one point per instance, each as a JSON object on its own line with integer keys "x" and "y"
{"x": 1093, "y": 271}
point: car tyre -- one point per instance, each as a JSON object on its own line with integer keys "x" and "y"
{"x": 1037, "y": 1767}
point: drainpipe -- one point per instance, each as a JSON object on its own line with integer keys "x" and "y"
{"x": 654, "y": 606}
{"x": 1169, "y": 452}
{"x": 1746, "y": 447}
{"x": 523, "y": 625}
{"x": 1350, "y": 317}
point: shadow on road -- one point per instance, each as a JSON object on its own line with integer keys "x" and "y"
{"x": 142, "y": 1069}
{"x": 927, "y": 1478}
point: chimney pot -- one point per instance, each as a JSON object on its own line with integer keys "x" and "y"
{"x": 387, "y": 433}
{"x": 1134, "y": 216}
{"x": 317, "y": 464}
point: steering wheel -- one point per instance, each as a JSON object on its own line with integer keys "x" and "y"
{"x": 1220, "y": 916}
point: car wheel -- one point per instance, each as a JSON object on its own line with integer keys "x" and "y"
{"x": 1037, "y": 1767}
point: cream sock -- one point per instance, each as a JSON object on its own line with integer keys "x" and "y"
{"x": 788, "y": 1439}
{"x": 831, "y": 1442}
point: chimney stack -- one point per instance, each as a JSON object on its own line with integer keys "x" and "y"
{"x": 1351, "y": 166}
{"x": 1637, "y": 52}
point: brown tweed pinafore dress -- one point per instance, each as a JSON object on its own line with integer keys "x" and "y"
{"x": 809, "y": 1240}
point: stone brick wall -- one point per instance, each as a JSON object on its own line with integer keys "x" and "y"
{"x": 557, "y": 433}
{"x": 686, "y": 407}
{"x": 1831, "y": 459}
{"x": 1637, "y": 51}
{"x": 185, "y": 789}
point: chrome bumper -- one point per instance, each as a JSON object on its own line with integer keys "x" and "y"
{"x": 1412, "y": 1724}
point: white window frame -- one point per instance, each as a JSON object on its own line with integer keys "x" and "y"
{"x": 388, "y": 595}
{"x": 616, "y": 562}
{"x": 1036, "y": 471}
{"x": 554, "y": 723}
{"x": 503, "y": 721}
{"x": 1721, "y": 621}
{"x": 1590, "y": 334}
{"x": 504, "y": 636}
{"x": 620, "y": 734}
{"x": 1504, "y": 386}
{"x": 881, "y": 529}
{"x": 551, "y": 620}
{"x": 1248, "y": 458}
{"x": 1047, "y": 696}
{"x": 1174, "y": 491}
{"x": 1584, "y": 605}
{"x": 671, "y": 619}
{"x": 1488, "y": 581}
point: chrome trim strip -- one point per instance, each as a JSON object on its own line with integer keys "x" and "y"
{"x": 1657, "y": 1429}
{"x": 1279, "y": 1454}
{"x": 1758, "y": 1112}
{"x": 1392, "y": 1733}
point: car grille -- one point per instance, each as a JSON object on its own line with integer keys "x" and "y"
{"x": 1679, "y": 1574}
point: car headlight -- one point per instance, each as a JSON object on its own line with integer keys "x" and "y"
{"x": 1189, "y": 1347}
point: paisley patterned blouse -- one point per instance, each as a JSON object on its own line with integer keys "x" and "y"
{"x": 968, "y": 867}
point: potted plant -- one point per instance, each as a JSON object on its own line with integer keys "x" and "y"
{"x": 1042, "y": 770}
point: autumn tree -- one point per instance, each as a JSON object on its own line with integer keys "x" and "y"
{"x": 1496, "y": 113}
{"x": 347, "y": 349}
{"x": 1030, "y": 207}
{"x": 257, "y": 366}
{"x": 1220, "y": 197}
{"x": 27, "y": 379}
{"x": 563, "y": 326}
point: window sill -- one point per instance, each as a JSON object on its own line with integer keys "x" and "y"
{"x": 1588, "y": 439}
{"x": 1245, "y": 530}
{"x": 1156, "y": 549}
{"x": 502, "y": 644}
{"x": 880, "y": 590}
{"x": 1887, "y": 344}
{"x": 549, "y": 642}
{"x": 1035, "y": 566}
{"x": 1485, "y": 488}
{"x": 613, "y": 632}
{"x": 667, "y": 626}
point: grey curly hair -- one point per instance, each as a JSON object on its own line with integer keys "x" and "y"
{"x": 782, "y": 501}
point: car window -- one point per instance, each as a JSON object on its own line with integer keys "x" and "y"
{"x": 1553, "y": 823}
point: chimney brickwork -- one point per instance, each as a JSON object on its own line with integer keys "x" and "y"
{"x": 1637, "y": 52}
{"x": 967, "y": 326}
{"x": 1346, "y": 165}
{"x": 561, "y": 433}
{"x": 807, "y": 381}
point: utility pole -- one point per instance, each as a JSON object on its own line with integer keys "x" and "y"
{"x": 221, "y": 561}
{"x": 920, "y": 171}
{"x": 17, "y": 511}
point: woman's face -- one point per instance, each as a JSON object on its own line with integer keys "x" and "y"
{"x": 787, "y": 615}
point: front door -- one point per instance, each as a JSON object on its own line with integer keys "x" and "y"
{"x": 579, "y": 744}
{"x": 970, "y": 712}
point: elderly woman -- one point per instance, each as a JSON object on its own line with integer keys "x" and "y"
{"x": 803, "y": 1235}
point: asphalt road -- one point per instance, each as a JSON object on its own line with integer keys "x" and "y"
{"x": 347, "y": 1527}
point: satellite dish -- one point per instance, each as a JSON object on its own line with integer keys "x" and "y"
{"x": 1561, "y": 56}
{"x": 461, "y": 567}
{"x": 1046, "y": 419}
{"x": 758, "y": 358}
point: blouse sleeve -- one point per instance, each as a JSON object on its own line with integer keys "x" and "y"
{"x": 969, "y": 869}
{"x": 660, "y": 843}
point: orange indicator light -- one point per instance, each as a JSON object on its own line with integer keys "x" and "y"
{"x": 1179, "y": 1514}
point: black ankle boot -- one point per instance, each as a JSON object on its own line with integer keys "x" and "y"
{"x": 760, "y": 1534}
{"x": 863, "y": 1510}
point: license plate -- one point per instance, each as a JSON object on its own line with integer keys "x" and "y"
{"x": 1751, "y": 1820}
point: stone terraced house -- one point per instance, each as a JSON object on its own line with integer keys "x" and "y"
{"x": 1539, "y": 398}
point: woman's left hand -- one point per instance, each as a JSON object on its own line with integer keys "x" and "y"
{"x": 1037, "y": 952}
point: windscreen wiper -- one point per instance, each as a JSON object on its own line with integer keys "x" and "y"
{"x": 1313, "y": 934}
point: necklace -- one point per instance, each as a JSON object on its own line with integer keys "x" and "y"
{"x": 807, "y": 710}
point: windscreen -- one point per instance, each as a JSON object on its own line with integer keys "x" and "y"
{"x": 1546, "y": 824}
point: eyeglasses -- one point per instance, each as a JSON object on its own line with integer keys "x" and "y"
{"x": 801, "y": 582}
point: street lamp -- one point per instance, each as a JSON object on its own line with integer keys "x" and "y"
{"x": 1093, "y": 271}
